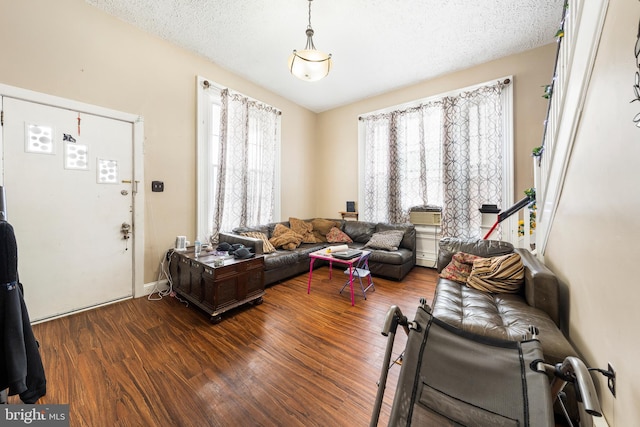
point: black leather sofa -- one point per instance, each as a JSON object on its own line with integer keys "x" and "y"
{"x": 283, "y": 264}
{"x": 505, "y": 316}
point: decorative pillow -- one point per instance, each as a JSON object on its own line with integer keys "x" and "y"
{"x": 459, "y": 268}
{"x": 484, "y": 248}
{"x": 285, "y": 238}
{"x": 304, "y": 229}
{"x": 502, "y": 274}
{"x": 388, "y": 240}
{"x": 336, "y": 236}
{"x": 267, "y": 247}
{"x": 322, "y": 227}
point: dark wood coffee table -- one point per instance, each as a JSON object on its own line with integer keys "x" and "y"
{"x": 217, "y": 289}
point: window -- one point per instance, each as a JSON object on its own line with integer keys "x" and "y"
{"x": 238, "y": 160}
{"x": 452, "y": 151}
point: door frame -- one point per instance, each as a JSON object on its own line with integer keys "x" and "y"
{"x": 137, "y": 122}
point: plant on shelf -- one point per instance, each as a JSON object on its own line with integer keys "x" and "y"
{"x": 531, "y": 193}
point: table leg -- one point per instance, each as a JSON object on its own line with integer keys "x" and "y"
{"x": 310, "y": 274}
{"x": 351, "y": 283}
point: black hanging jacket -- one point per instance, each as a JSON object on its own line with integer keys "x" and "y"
{"x": 21, "y": 369}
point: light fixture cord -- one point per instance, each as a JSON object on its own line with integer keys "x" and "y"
{"x": 310, "y": 45}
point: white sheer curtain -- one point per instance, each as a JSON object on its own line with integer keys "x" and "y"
{"x": 245, "y": 172}
{"x": 446, "y": 153}
{"x": 402, "y": 162}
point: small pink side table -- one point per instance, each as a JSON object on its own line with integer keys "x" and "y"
{"x": 322, "y": 254}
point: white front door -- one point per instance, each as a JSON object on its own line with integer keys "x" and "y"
{"x": 69, "y": 194}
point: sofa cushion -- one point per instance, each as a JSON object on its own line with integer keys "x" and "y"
{"x": 398, "y": 257}
{"x": 459, "y": 268}
{"x": 388, "y": 240}
{"x": 337, "y": 236}
{"x": 359, "y": 231}
{"x": 502, "y": 274}
{"x": 280, "y": 259}
{"x": 322, "y": 227}
{"x": 305, "y": 249}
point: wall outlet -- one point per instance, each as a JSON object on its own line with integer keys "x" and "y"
{"x": 157, "y": 186}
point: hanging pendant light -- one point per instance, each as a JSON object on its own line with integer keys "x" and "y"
{"x": 309, "y": 64}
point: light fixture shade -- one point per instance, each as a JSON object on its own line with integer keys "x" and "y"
{"x": 309, "y": 64}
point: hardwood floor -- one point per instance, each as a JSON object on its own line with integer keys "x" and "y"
{"x": 294, "y": 360}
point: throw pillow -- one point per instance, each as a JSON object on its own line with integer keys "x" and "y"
{"x": 322, "y": 227}
{"x": 459, "y": 268}
{"x": 304, "y": 229}
{"x": 502, "y": 274}
{"x": 336, "y": 236}
{"x": 388, "y": 240}
{"x": 267, "y": 247}
{"x": 285, "y": 238}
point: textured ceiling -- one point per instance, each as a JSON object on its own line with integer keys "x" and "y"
{"x": 377, "y": 45}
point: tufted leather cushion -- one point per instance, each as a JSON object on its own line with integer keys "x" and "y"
{"x": 504, "y": 316}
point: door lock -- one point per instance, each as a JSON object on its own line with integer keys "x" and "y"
{"x": 125, "y": 229}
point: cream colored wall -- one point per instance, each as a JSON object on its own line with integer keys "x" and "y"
{"x": 593, "y": 245}
{"x": 72, "y": 50}
{"x": 338, "y": 128}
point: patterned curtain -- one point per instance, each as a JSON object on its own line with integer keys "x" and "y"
{"x": 245, "y": 178}
{"x": 472, "y": 158}
{"x": 446, "y": 153}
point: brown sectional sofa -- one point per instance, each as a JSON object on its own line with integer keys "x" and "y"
{"x": 283, "y": 264}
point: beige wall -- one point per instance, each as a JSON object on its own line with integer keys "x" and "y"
{"x": 72, "y": 50}
{"x": 338, "y": 128}
{"x": 593, "y": 245}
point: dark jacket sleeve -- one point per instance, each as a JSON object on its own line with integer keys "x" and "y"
{"x": 21, "y": 369}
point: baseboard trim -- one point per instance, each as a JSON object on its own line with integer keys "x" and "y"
{"x": 153, "y": 287}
